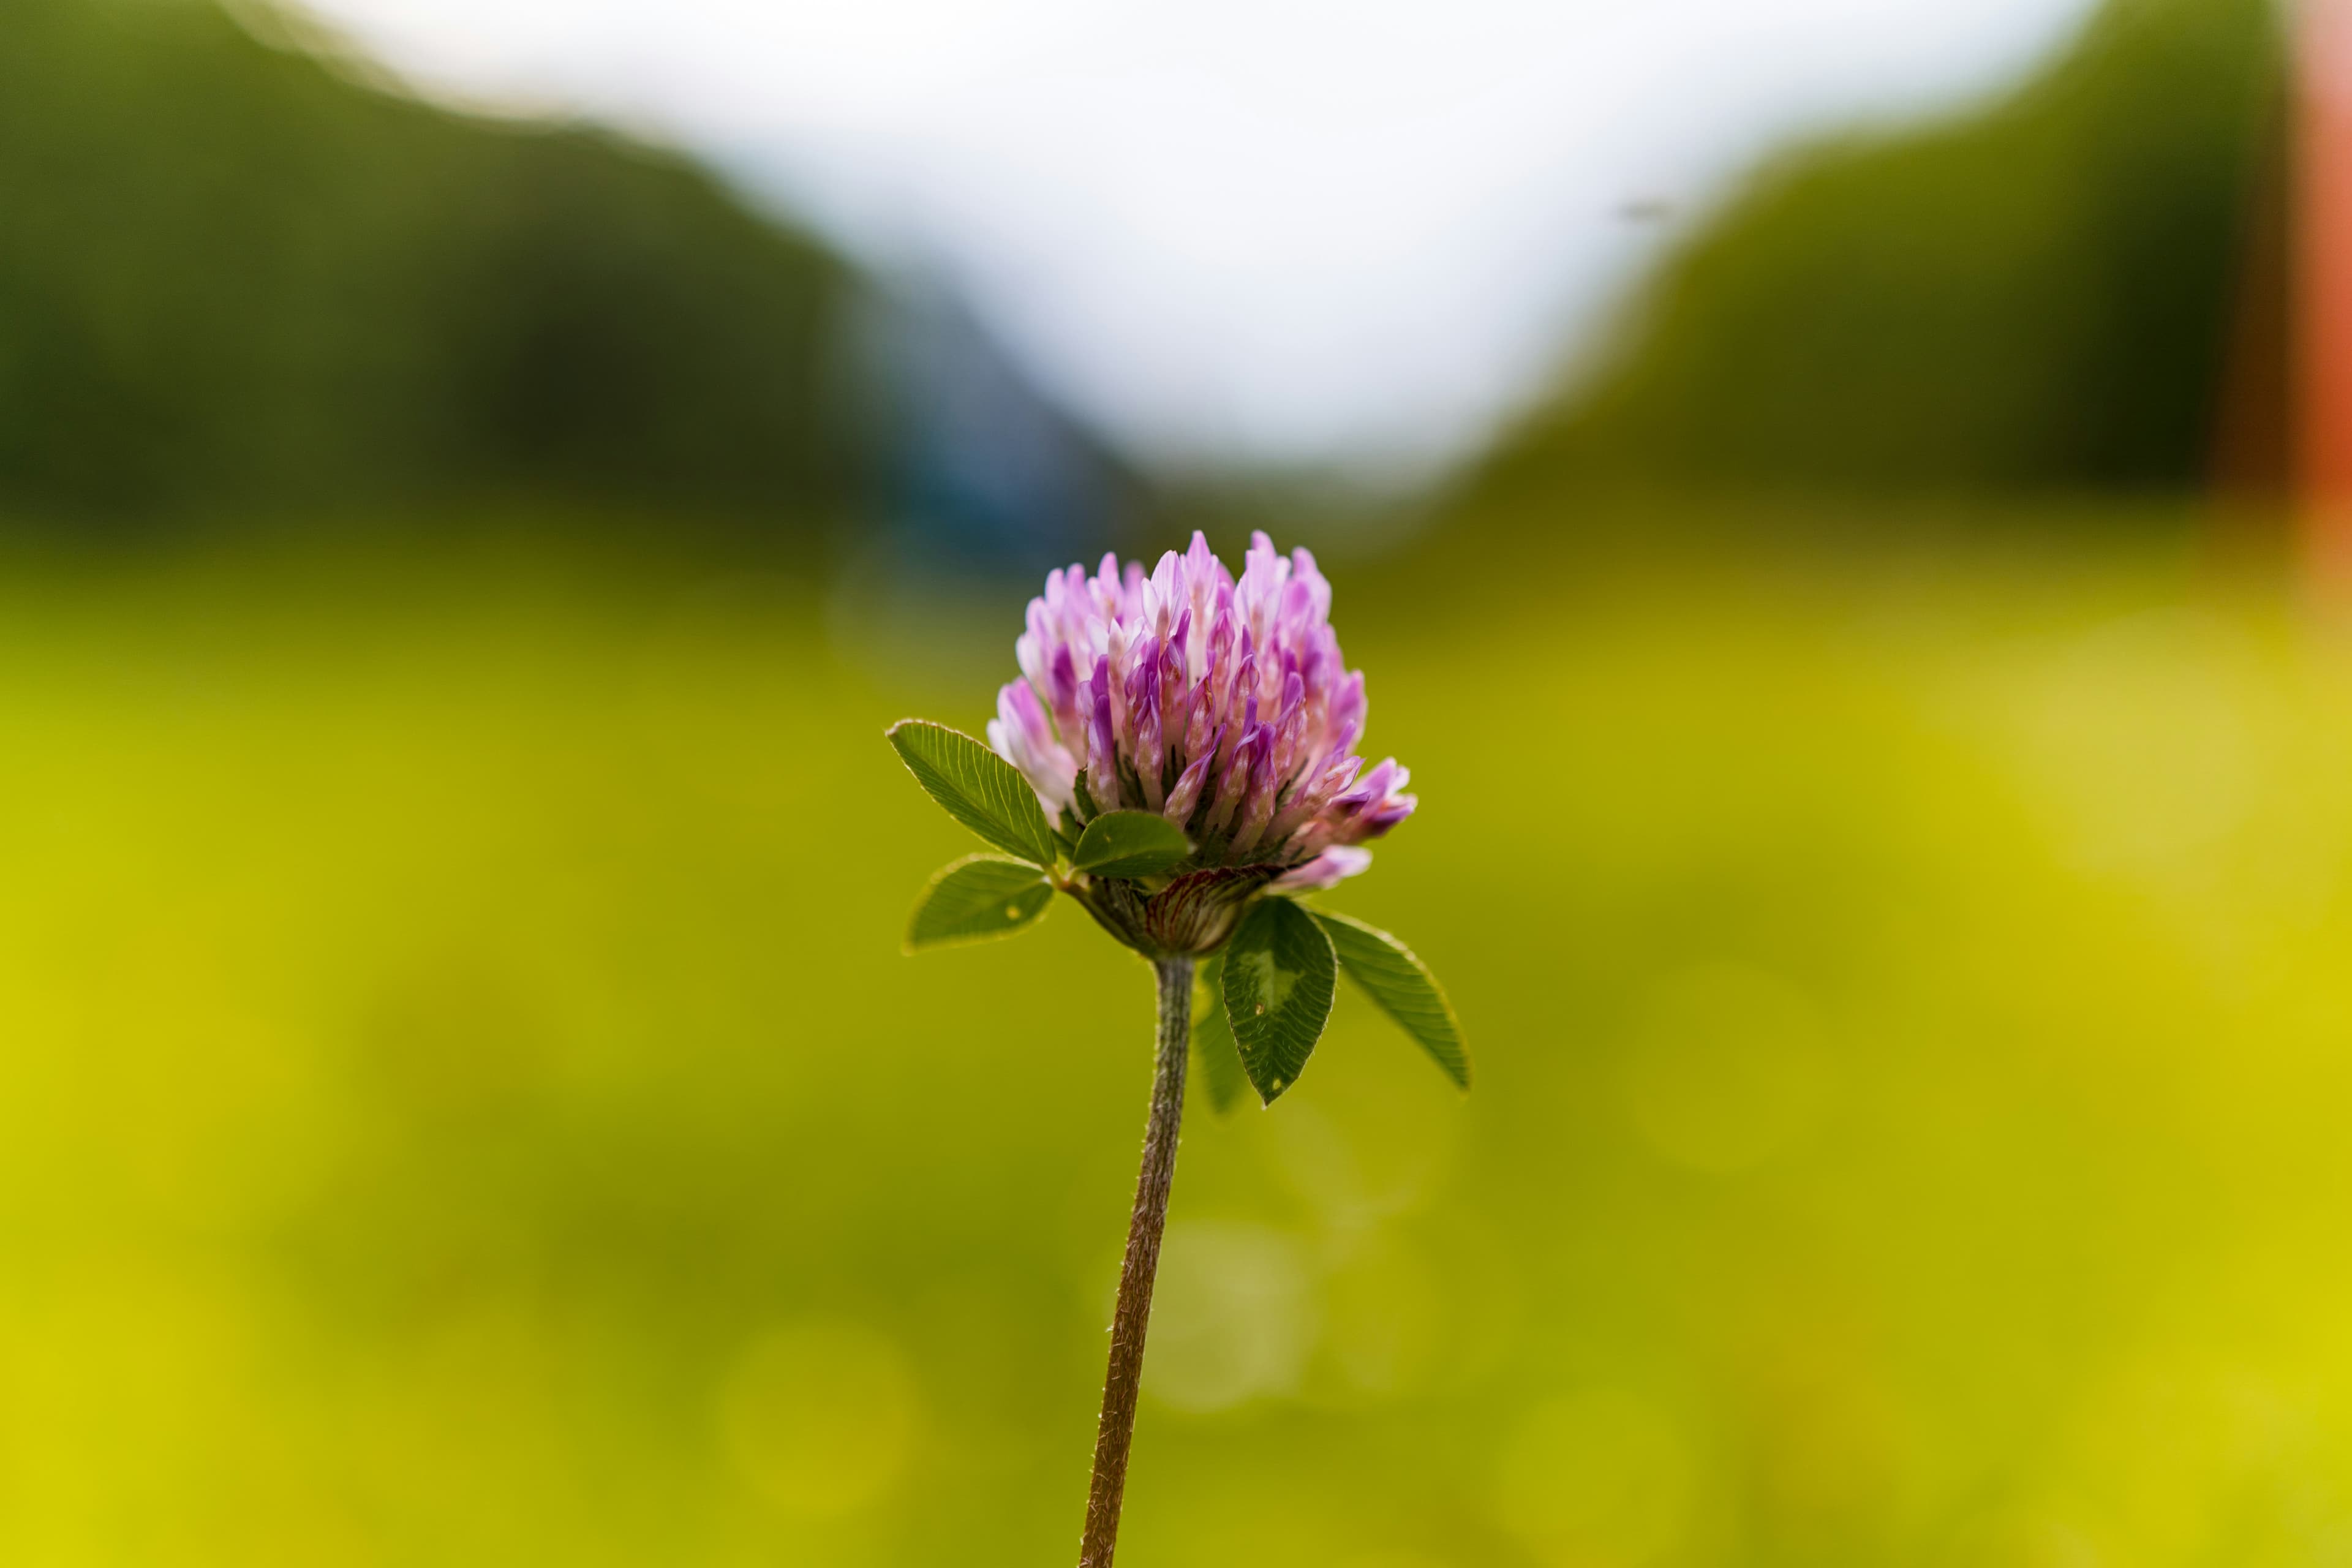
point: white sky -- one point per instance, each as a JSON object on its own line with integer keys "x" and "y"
{"x": 1240, "y": 230}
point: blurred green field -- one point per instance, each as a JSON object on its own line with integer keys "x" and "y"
{"x": 461, "y": 1100}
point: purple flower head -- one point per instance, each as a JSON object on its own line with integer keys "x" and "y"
{"x": 1221, "y": 704}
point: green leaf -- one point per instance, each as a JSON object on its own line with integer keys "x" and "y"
{"x": 979, "y": 788}
{"x": 1403, "y": 988}
{"x": 1214, "y": 1051}
{"x": 978, "y": 899}
{"x": 1278, "y": 977}
{"x": 1129, "y": 844}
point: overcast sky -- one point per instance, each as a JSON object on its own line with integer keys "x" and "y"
{"x": 1254, "y": 230}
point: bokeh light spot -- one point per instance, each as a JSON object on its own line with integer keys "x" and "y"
{"x": 819, "y": 1415}
{"x": 1233, "y": 1318}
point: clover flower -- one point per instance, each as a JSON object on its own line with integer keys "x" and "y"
{"x": 1221, "y": 704}
{"x": 1179, "y": 757}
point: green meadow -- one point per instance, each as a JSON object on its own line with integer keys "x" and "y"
{"x": 462, "y": 1101}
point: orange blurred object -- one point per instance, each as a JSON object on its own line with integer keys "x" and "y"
{"x": 2323, "y": 285}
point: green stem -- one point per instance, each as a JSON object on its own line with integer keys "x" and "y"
{"x": 1116, "y": 1431}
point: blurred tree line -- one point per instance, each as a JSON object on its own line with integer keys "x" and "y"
{"x": 240, "y": 278}
{"x": 235, "y": 278}
{"x": 229, "y": 276}
{"x": 2046, "y": 293}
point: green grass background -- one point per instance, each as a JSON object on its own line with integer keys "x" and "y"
{"x": 462, "y": 1101}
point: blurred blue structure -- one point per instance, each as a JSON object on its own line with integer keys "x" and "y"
{"x": 976, "y": 470}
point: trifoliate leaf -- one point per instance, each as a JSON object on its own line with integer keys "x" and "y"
{"x": 1129, "y": 844}
{"x": 1214, "y": 1055}
{"x": 979, "y": 788}
{"x": 1278, "y": 977}
{"x": 976, "y": 898}
{"x": 1403, "y": 988}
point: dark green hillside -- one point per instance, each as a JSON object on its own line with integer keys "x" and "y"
{"x": 231, "y": 278}
{"x": 2035, "y": 295}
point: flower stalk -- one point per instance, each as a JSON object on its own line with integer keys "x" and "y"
{"x": 1131, "y": 1318}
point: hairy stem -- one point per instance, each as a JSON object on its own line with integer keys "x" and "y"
{"x": 1116, "y": 1431}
